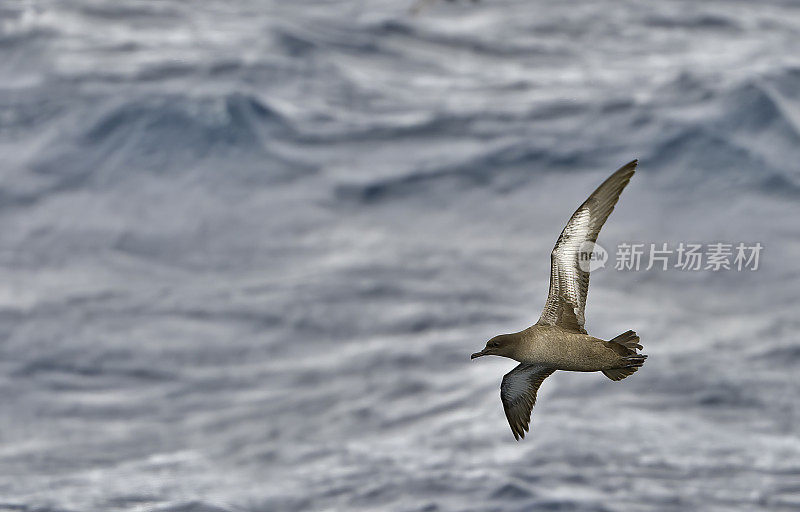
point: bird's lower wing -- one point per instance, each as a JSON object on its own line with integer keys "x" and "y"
{"x": 518, "y": 394}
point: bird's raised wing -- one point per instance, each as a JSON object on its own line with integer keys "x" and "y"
{"x": 518, "y": 394}
{"x": 569, "y": 283}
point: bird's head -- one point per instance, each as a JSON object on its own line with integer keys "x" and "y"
{"x": 501, "y": 345}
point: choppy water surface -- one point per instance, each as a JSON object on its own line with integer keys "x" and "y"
{"x": 246, "y": 249}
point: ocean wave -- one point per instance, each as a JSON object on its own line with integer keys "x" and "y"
{"x": 180, "y": 125}
{"x": 693, "y": 21}
{"x": 193, "y": 506}
{"x": 231, "y": 139}
{"x": 750, "y": 136}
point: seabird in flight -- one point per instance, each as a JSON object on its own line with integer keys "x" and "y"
{"x": 558, "y": 341}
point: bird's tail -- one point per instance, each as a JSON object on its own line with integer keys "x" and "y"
{"x": 631, "y": 361}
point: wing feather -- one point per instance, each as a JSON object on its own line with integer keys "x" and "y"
{"x": 518, "y": 394}
{"x": 569, "y": 284}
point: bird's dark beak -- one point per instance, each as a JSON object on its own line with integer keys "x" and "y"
{"x": 478, "y": 354}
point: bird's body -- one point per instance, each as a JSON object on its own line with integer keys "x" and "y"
{"x": 566, "y": 350}
{"x": 559, "y": 341}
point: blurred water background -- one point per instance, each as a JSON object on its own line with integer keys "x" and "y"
{"x": 246, "y": 249}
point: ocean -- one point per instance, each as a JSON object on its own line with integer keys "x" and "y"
{"x": 247, "y": 248}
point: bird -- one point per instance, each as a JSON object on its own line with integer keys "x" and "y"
{"x": 559, "y": 341}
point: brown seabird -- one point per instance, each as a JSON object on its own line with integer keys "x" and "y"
{"x": 558, "y": 341}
